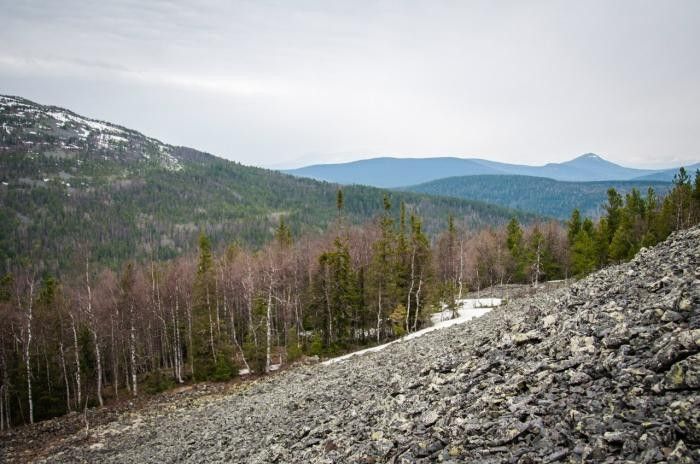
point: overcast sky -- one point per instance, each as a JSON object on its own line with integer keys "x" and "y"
{"x": 288, "y": 83}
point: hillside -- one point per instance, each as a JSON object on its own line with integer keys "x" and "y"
{"x": 606, "y": 370}
{"x": 539, "y": 195}
{"x": 69, "y": 183}
{"x": 668, "y": 174}
{"x": 401, "y": 172}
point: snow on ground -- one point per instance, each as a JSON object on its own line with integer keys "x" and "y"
{"x": 469, "y": 309}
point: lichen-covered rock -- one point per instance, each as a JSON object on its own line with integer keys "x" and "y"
{"x": 606, "y": 370}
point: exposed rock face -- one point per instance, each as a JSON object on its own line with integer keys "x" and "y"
{"x": 607, "y": 370}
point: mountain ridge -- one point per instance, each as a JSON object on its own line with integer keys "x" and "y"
{"x": 67, "y": 181}
{"x": 395, "y": 172}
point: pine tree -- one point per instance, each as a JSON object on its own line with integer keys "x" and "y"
{"x": 514, "y": 242}
{"x": 339, "y": 202}
{"x": 283, "y": 235}
{"x": 583, "y": 254}
{"x": 612, "y": 209}
{"x": 574, "y": 225}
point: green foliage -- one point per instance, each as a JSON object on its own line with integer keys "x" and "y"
{"x": 574, "y": 225}
{"x": 156, "y": 382}
{"x": 254, "y": 344}
{"x": 283, "y": 235}
{"x": 316, "y": 345}
{"x": 338, "y": 294}
{"x": 339, "y": 202}
{"x": 398, "y": 318}
{"x": 514, "y": 242}
{"x": 123, "y": 207}
{"x": 224, "y": 367}
{"x": 538, "y": 195}
{"x": 584, "y": 256}
{"x": 212, "y": 353}
{"x": 294, "y": 351}
{"x": 255, "y": 354}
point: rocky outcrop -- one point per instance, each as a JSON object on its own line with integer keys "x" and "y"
{"x": 607, "y": 370}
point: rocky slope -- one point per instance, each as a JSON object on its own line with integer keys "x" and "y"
{"x": 607, "y": 370}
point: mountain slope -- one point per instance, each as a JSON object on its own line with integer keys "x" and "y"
{"x": 606, "y": 370}
{"x": 70, "y": 185}
{"x": 539, "y": 195}
{"x": 400, "y": 172}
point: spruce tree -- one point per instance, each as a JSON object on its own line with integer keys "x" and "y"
{"x": 514, "y": 242}
{"x": 574, "y": 225}
{"x": 212, "y": 352}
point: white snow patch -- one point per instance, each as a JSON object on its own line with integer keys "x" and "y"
{"x": 62, "y": 117}
{"x": 104, "y": 140}
{"x": 58, "y": 116}
{"x": 273, "y": 367}
{"x": 469, "y": 309}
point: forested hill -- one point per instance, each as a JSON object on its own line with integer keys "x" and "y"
{"x": 70, "y": 185}
{"x": 539, "y": 195}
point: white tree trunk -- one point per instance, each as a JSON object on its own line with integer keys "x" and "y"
{"x": 93, "y": 329}
{"x": 269, "y": 327}
{"x": 132, "y": 350}
{"x": 415, "y": 317}
{"x": 65, "y": 377}
{"x": 211, "y": 328}
{"x": 326, "y": 284}
{"x": 410, "y": 289}
{"x": 27, "y": 349}
{"x": 379, "y": 311}
{"x": 176, "y": 335}
{"x": 78, "y": 382}
{"x": 115, "y": 359}
{"x": 234, "y": 338}
{"x": 461, "y": 267}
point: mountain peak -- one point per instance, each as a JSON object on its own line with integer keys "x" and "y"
{"x": 589, "y": 157}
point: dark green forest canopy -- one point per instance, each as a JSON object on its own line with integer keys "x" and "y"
{"x": 72, "y": 186}
{"x": 538, "y": 195}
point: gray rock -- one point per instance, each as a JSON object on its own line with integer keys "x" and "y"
{"x": 605, "y": 370}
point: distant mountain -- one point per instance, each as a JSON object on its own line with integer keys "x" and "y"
{"x": 71, "y": 185}
{"x": 399, "y": 172}
{"x": 668, "y": 174}
{"x": 539, "y": 195}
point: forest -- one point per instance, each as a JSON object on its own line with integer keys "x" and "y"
{"x": 103, "y": 334}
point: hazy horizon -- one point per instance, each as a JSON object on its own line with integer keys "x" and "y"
{"x": 285, "y": 85}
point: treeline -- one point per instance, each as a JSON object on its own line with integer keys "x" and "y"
{"x": 66, "y": 345}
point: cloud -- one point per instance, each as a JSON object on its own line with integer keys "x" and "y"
{"x": 236, "y": 87}
{"x": 275, "y": 82}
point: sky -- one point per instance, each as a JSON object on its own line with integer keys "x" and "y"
{"x": 290, "y": 83}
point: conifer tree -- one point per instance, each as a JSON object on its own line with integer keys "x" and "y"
{"x": 514, "y": 242}
{"x": 382, "y": 282}
{"x": 574, "y": 225}
{"x": 212, "y": 353}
